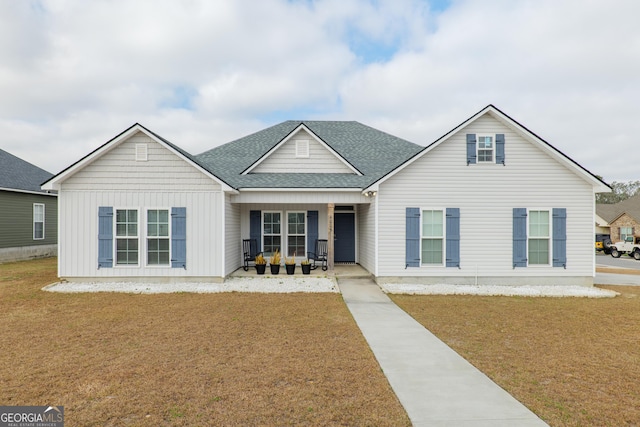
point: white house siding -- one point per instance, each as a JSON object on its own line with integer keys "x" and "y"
{"x": 164, "y": 181}
{"x": 486, "y": 195}
{"x": 118, "y": 170}
{"x": 233, "y": 246}
{"x": 284, "y": 159}
{"x": 366, "y": 237}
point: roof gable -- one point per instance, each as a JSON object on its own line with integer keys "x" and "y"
{"x": 526, "y": 134}
{"x": 20, "y": 175}
{"x": 54, "y": 182}
{"x": 302, "y": 152}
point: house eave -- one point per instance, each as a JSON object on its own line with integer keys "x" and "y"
{"x": 39, "y": 193}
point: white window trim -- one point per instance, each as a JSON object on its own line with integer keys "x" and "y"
{"x": 115, "y": 237}
{"x": 549, "y": 237}
{"x": 286, "y": 234}
{"x": 34, "y": 221}
{"x": 282, "y": 233}
{"x": 146, "y": 237}
{"x": 493, "y": 149}
{"x": 142, "y": 152}
{"x": 444, "y": 237}
{"x": 302, "y": 148}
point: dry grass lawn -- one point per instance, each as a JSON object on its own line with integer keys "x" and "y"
{"x": 186, "y": 359}
{"x": 572, "y": 361}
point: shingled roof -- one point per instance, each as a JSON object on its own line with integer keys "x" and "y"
{"x": 372, "y": 152}
{"x": 610, "y": 212}
{"x": 17, "y": 174}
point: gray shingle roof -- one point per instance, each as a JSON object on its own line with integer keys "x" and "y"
{"x": 18, "y": 174}
{"x": 610, "y": 212}
{"x": 374, "y": 153}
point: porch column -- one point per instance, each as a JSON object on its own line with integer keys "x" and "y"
{"x": 330, "y": 234}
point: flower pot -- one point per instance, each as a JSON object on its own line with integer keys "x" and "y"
{"x": 275, "y": 268}
{"x": 306, "y": 268}
{"x": 291, "y": 268}
{"x": 260, "y": 268}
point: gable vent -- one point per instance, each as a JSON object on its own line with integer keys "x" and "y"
{"x": 302, "y": 148}
{"x": 141, "y": 153}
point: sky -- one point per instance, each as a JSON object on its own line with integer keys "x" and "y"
{"x": 201, "y": 73}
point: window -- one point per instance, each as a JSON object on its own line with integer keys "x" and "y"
{"x": 539, "y": 232}
{"x": 38, "y": 221}
{"x": 485, "y": 148}
{"x": 158, "y": 237}
{"x": 302, "y": 148}
{"x": 626, "y": 233}
{"x": 432, "y": 237}
{"x": 126, "y": 237}
{"x": 272, "y": 235}
{"x": 296, "y": 236}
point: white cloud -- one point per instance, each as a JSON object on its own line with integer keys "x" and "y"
{"x": 201, "y": 73}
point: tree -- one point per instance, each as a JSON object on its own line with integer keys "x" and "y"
{"x": 621, "y": 191}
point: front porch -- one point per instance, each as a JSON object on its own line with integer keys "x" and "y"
{"x": 352, "y": 271}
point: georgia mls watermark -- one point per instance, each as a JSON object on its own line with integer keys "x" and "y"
{"x": 31, "y": 416}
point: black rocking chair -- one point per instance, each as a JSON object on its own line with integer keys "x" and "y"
{"x": 249, "y": 251}
{"x": 320, "y": 255}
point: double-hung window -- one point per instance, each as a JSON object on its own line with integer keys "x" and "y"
{"x": 432, "y": 242}
{"x": 539, "y": 237}
{"x": 126, "y": 237}
{"x": 485, "y": 148}
{"x": 626, "y": 233}
{"x": 38, "y": 221}
{"x": 272, "y": 235}
{"x": 158, "y": 241}
{"x": 296, "y": 235}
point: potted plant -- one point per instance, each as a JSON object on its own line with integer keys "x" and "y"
{"x": 261, "y": 264}
{"x": 306, "y": 266}
{"x": 290, "y": 264}
{"x": 274, "y": 262}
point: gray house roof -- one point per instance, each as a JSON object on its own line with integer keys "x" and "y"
{"x": 17, "y": 174}
{"x": 611, "y": 212}
{"x": 372, "y": 152}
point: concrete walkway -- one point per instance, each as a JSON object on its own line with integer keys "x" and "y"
{"x": 436, "y": 386}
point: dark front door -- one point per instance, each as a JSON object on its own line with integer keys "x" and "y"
{"x": 345, "y": 237}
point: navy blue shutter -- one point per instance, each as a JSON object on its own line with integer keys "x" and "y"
{"x": 500, "y": 148}
{"x": 519, "y": 237}
{"x": 179, "y": 238}
{"x": 471, "y": 148}
{"x": 559, "y": 237}
{"x": 255, "y": 228}
{"x": 412, "y": 253}
{"x": 453, "y": 237}
{"x": 105, "y": 237}
{"x": 312, "y": 230}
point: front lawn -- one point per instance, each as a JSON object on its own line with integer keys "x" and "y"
{"x": 186, "y": 359}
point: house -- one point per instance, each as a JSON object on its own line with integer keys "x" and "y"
{"x": 488, "y": 202}
{"x": 621, "y": 219}
{"x": 28, "y": 215}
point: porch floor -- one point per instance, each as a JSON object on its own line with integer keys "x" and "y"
{"x": 352, "y": 271}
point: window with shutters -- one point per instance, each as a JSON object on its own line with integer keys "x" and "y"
{"x": 272, "y": 232}
{"x": 432, "y": 237}
{"x": 158, "y": 242}
{"x": 296, "y": 234}
{"x": 539, "y": 237}
{"x": 485, "y": 148}
{"x": 126, "y": 237}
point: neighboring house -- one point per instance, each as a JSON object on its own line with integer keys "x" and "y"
{"x": 490, "y": 202}
{"x": 28, "y": 215}
{"x": 622, "y": 218}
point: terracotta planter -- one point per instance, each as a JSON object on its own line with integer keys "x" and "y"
{"x": 275, "y": 268}
{"x": 291, "y": 268}
{"x": 260, "y": 268}
{"x": 306, "y": 268}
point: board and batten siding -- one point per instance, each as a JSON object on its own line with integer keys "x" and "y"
{"x": 284, "y": 159}
{"x": 162, "y": 182}
{"x": 233, "y": 244}
{"x": 366, "y": 237}
{"x": 486, "y": 195}
{"x": 118, "y": 170}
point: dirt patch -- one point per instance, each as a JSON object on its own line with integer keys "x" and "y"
{"x": 187, "y": 359}
{"x": 572, "y": 361}
{"x": 615, "y": 270}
